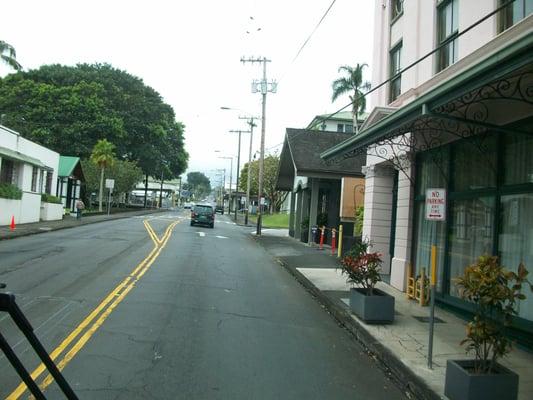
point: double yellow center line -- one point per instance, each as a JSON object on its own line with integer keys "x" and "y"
{"x": 96, "y": 318}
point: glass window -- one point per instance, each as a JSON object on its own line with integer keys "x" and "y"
{"x": 432, "y": 170}
{"x": 396, "y": 8}
{"x": 514, "y": 12}
{"x": 34, "y": 173}
{"x": 474, "y": 164}
{"x": 447, "y": 29}
{"x": 516, "y": 240}
{"x": 348, "y": 128}
{"x": 340, "y": 127}
{"x": 471, "y": 234}
{"x": 395, "y": 67}
{"x": 423, "y": 241}
{"x": 518, "y": 159}
{"x": 48, "y": 187}
{"x": 6, "y": 171}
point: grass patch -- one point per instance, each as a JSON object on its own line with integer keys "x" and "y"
{"x": 272, "y": 220}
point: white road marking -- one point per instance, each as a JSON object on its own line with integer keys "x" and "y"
{"x": 202, "y": 234}
{"x": 221, "y": 237}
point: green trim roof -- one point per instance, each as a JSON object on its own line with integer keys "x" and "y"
{"x": 8, "y": 153}
{"x": 67, "y": 165}
{"x": 499, "y": 64}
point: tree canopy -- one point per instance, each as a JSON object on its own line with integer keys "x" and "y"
{"x": 8, "y": 55}
{"x": 68, "y": 109}
{"x": 352, "y": 84}
{"x": 271, "y": 166}
{"x": 198, "y": 184}
{"x": 125, "y": 173}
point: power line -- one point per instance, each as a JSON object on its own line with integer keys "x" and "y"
{"x": 308, "y": 38}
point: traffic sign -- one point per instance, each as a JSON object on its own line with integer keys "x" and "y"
{"x": 436, "y": 204}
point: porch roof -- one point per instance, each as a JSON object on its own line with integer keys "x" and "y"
{"x": 467, "y": 103}
{"x": 300, "y": 156}
{"x": 15, "y": 155}
{"x": 70, "y": 167}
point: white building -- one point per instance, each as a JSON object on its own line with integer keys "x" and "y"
{"x": 456, "y": 113}
{"x": 31, "y": 168}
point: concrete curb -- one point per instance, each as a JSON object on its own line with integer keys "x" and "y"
{"x": 401, "y": 374}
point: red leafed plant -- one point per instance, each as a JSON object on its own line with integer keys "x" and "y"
{"x": 362, "y": 267}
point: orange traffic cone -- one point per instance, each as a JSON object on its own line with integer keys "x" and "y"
{"x": 12, "y": 226}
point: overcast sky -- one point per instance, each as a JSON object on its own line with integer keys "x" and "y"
{"x": 190, "y": 51}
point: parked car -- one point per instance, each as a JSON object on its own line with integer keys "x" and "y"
{"x": 203, "y": 214}
{"x": 188, "y": 206}
{"x": 219, "y": 209}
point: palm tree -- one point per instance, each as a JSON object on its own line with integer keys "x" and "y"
{"x": 8, "y": 55}
{"x": 352, "y": 83}
{"x": 103, "y": 155}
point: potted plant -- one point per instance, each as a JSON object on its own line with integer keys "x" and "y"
{"x": 494, "y": 293}
{"x": 362, "y": 269}
{"x": 304, "y": 232}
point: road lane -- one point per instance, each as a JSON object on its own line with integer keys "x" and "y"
{"x": 44, "y": 263}
{"x": 215, "y": 317}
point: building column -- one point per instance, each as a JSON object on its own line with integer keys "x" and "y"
{"x": 298, "y": 215}
{"x": 379, "y": 182}
{"x": 404, "y": 227}
{"x": 313, "y": 208}
{"x": 291, "y": 214}
{"x": 305, "y": 206}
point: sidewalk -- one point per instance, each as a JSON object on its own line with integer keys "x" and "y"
{"x": 402, "y": 346}
{"x": 67, "y": 222}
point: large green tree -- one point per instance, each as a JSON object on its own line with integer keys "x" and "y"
{"x": 125, "y": 173}
{"x": 353, "y": 85}
{"x": 103, "y": 155}
{"x": 69, "y": 109}
{"x": 198, "y": 184}
{"x": 271, "y": 166}
{"x": 9, "y": 55}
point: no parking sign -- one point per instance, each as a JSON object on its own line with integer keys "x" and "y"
{"x": 436, "y": 204}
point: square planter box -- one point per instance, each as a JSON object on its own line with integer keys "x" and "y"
{"x": 462, "y": 384}
{"x": 375, "y": 309}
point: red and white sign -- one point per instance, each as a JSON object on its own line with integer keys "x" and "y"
{"x": 436, "y": 204}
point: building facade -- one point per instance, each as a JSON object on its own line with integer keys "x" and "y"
{"x": 30, "y": 167}
{"x": 456, "y": 113}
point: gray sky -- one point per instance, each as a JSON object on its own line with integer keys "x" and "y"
{"x": 189, "y": 51}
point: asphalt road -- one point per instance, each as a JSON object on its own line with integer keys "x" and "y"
{"x": 147, "y": 308}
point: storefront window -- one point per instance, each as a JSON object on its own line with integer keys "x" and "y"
{"x": 432, "y": 170}
{"x": 471, "y": 234}
{"x": 474, "y": 164}
{"x": 423, "y": 241}
{"x": 518, "y": 159}
{"x": 516, "y": 240}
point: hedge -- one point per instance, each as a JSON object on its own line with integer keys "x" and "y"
{"x": 9, "y": 191}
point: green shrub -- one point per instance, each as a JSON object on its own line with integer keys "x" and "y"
{"x": 48, "y": 198}
{"x": 9, "y": 191}
{"x": 495, "y": 293}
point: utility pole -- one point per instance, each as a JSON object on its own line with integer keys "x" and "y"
{"x": 238, "y": 166}
{"x": 264, "y": 89}
{"x": 250, "y": 121}
{"x": 230, "y": 178}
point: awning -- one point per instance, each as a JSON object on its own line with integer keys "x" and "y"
{"x": 488, "y": 96}
{"x": 15, "y": 155}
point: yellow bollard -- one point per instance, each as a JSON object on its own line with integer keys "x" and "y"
{"x": 339, "y": 248}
